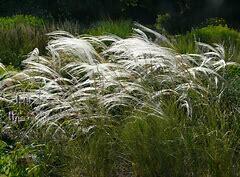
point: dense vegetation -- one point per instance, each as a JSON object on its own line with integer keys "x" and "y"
{"x": 185, "y": 14}
{"x": 107, "y": 100}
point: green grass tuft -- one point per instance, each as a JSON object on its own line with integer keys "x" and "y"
{"x": 121, "y": 28}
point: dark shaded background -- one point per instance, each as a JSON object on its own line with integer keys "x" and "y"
{"x": 185, "y": 13}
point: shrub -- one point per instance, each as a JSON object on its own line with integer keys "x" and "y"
{"x": 17, "y": 160}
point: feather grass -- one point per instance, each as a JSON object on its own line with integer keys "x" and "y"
{"x": 116, "y": 75}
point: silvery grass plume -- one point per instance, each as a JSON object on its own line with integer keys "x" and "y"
{"x": 89, "y": 76}
{"x": 2, "y": 66}
{"x": 2, "y": 75}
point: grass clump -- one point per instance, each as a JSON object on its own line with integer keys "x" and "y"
{"x": 121, "y": 28}
{"x": 223, "y": 35}
{"x": 21, "y": 34}
{"x": 17, "y": 42}
{"x": 17, "y": 160}
{"x": 174, "y": 145}
{"x": 10, "y": 22}
{"x": 112, "y": 106}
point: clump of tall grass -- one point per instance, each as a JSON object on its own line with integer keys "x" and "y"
{"x": 111, "y": 72}
{"x": 223, "y": 35}
{"x": 17, "y": 41}
{"x": 18, "y": 35}
{"x": 10, "y": 22}
{"x": 121, "y": 28}
{"x": 21, "y": 34}
{"x": 156, "y": 111}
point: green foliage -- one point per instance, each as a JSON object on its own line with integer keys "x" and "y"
{"x": 17, "y": 160}
{"x": 121, "y": 28}
{"x": 21, "y": 34}
{"x": 217, "y": 34}
{"x": 126, "y": 4}
{"x": 10, "y": 22}
{"x": 145, "y": 145}
{"x": 174, "y": 145}
{"x": 125, "y": 107}
{"x": 96, "y": 153}
{"x": 154, "y": 146}
{"x": 186, "y": 13}
{"x": 90, "y": 148}
{"x": 162, "y": 23}
{"x": 223, "y": 35}
{"x": 231, "y": 94}
{"x": 215, "y": 22}
{"x": 184, "y": 43}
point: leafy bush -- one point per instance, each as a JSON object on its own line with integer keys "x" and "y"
{"x": 223, "y": 35}
{"x": 17, "y": 160}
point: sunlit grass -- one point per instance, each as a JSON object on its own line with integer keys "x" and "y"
{"x": 130, "y": 106}
{"x": 121, "y": 28}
